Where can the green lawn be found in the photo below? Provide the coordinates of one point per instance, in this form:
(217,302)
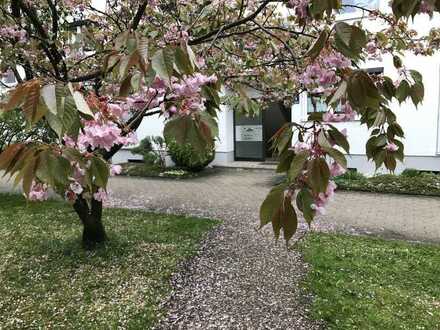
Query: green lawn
(366,283)
(49,281)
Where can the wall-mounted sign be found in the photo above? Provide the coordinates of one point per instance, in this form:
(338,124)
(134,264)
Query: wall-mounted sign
(249,133)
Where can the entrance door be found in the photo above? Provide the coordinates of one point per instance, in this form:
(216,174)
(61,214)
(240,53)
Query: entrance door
(274,118)
(248,137)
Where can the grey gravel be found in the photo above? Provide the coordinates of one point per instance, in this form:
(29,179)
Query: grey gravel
(241,278)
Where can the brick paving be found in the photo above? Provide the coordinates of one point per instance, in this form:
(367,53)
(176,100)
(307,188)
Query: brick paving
(396,216)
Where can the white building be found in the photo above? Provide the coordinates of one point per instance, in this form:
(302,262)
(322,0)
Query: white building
(247,138)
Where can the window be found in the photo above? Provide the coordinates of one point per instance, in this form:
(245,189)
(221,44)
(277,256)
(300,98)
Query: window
(321,106)
(9,78)
(369,4)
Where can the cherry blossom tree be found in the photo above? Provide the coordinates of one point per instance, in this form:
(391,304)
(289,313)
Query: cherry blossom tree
(93,74)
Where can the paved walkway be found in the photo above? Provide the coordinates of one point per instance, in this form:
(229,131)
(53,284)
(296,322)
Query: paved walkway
(395,216)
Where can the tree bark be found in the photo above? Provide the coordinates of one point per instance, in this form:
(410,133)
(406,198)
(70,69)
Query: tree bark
(91,218)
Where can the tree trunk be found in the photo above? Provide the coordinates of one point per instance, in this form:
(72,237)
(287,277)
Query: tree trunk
(91,218)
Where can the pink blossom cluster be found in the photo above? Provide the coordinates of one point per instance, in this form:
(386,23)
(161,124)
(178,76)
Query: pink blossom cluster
(373,51)
(100,134)
(101,195)
(391,147)
(320,76)
(38,192)
(175,35)
(323,199)
(188,90)
(300,7)
(152,96)
(346,114)
(301,146)
(13,32)
(76,186)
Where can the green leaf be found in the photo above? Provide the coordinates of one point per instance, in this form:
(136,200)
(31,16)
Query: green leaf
(337,156)
(318,175)
(54,170)
(297,165)
(340,92)
(350,39)
(48,93)
(80,102)
(362,92)
(317,46)
(285,161)
(304,201)
(339,138)
(417,93)
(289,220)
(403,91)
(272,204)
(100,171)
(183,62)
(163,63)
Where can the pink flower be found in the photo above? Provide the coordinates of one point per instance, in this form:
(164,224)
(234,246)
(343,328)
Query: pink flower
(100,195)
(117,111)
(392,147)
(319,210)
(323,198)
(301,146)
(38,192)
(115,169)
(336,169)
(69,142)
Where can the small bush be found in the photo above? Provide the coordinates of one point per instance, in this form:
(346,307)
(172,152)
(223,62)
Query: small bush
(152,151)
(420,184)
(411,172)
(13,130)
(352,175)
(184,156)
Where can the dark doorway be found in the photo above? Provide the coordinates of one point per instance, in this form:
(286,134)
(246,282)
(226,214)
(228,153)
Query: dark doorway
(248,137)
(274,117)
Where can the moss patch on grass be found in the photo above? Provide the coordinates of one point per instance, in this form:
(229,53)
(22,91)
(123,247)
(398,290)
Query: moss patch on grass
(367,283)
(49,281)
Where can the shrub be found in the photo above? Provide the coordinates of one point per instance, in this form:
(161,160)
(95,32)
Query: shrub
(184,156)
(13,130)
(352,175)
(152,151)
(421,184)
(411,172)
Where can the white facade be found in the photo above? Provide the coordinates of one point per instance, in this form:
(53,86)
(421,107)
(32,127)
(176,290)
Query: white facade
(421,125)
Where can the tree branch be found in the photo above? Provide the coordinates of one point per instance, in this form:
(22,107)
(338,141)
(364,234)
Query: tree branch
(239,22)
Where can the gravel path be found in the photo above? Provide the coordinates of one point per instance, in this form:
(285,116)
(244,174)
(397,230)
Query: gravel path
(241,279)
